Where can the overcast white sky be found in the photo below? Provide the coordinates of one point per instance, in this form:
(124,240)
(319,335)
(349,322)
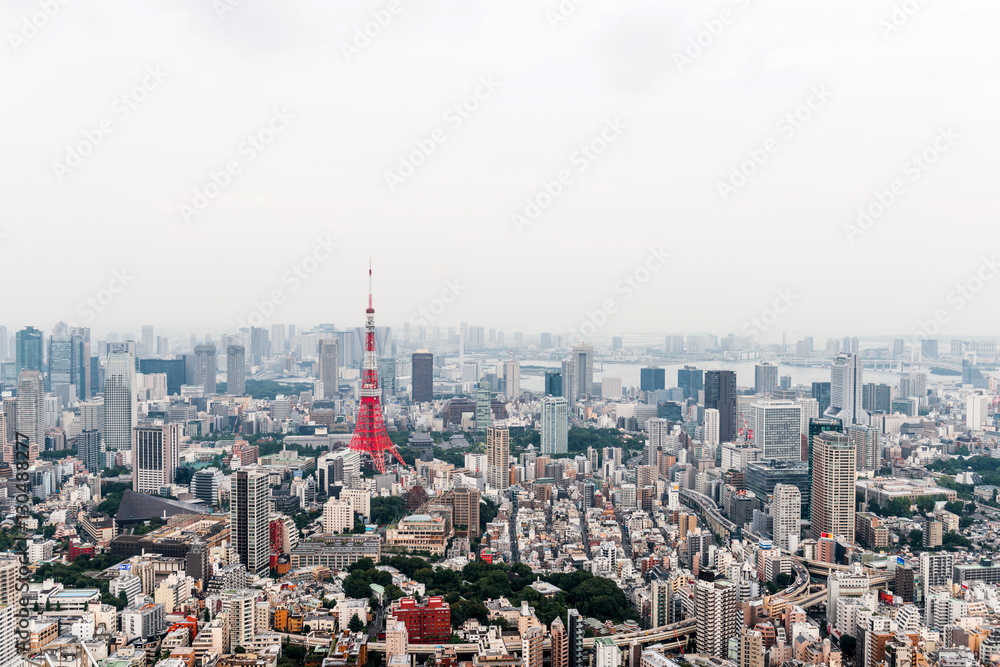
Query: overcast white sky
(655,186)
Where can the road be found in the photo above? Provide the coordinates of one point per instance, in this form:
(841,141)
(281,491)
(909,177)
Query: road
(515,556)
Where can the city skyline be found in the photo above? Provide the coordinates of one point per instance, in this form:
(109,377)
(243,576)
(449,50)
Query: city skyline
(726,394)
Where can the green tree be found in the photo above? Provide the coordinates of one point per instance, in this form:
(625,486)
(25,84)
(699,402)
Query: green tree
(356,624)
(848,645)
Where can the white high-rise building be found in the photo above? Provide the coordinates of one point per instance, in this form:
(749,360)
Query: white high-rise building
(512,379)
(976,410)
(143,619)
(498,457)
(338,516)
(658,432)
(476,463)
(607,653)
(8,635)
(810,410)
(120,406)
(777,429)
(846,384)
(241,606)
(711,434)
(611,388)
(277,338)
(935,570)
(555,425)
(155,455)
(250,518)
(627,498)
(673,496)
(786,509)
(842,584)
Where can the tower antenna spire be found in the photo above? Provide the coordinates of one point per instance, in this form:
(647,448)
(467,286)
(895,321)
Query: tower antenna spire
(369,431)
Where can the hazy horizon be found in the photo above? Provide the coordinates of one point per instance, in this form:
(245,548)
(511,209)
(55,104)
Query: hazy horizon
(687,164)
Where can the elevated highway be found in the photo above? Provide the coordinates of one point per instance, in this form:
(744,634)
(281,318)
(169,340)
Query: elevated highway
(708,511)
(672,636)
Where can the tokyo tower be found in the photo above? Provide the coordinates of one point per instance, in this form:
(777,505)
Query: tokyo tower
(369,432)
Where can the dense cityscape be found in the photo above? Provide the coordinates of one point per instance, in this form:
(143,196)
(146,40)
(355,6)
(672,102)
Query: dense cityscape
(443,496)
(499,334)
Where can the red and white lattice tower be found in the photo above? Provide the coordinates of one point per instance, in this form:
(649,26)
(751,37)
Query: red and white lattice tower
(369,432)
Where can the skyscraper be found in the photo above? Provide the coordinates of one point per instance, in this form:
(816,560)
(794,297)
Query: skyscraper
(765,378)
(250,518)
(817,426)
(90,451)
(691,380)
(205,367)
(329,366)
(846,382)
(553,383)
(786,510)
(31,410)
(260,347)
(583,356)
(821,392)
(148,340)
(422,373)
(498,457)
(69,363)
(716,620)
(155,455)
(867,446)
(28,349)
(236,371)
(484,408)
(278,338)
(575,633)
(555,425)
(512,379)
(569,382)
(387,376)
(720,394)
(711,431)
(653,378)
(833,493)
(976,411)
(120,406)
(777,429)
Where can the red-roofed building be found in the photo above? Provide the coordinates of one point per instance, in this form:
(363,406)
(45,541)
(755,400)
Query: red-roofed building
(427,623)
(77,549)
